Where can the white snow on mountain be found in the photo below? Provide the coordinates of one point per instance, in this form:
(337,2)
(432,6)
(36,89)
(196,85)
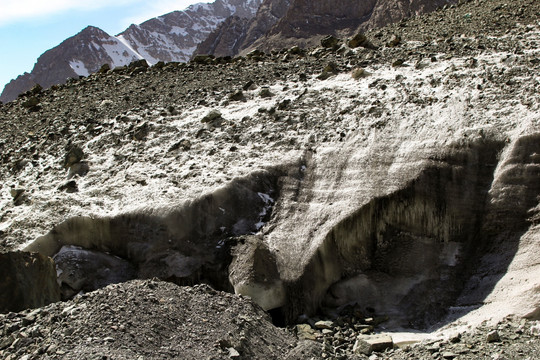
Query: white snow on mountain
(175,36)
(172,37)
(79,68)
(128,45)
(120,54)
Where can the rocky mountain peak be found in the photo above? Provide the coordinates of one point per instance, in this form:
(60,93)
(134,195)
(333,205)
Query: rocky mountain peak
(170,37)
(92,30)
(234,35)
(284,23)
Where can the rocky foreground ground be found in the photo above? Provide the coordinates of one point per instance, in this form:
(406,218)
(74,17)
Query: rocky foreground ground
(157,320)
(137,137)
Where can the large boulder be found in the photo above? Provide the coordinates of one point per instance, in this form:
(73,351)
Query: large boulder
(87,270)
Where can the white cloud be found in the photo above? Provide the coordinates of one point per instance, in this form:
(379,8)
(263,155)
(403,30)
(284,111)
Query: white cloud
(12,11)
(16,10)
(155,8)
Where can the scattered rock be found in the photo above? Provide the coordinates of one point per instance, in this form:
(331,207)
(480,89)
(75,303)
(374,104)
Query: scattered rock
(358,73)
(203,59)
(398,62)
(142,63)
(250,85)
(159,65)
(19,196)
(449,355)
(172,110)
(31,104)
(69,187)
(141,131)
(329,70)
(212,116)
(238,95)
(16,193)
(329,42)
(36,89)
(255,55)
(296,50)
(6,341)
(366,344)
(81,169)
(265,92)
(183,144)
(324,324)
(106,103)
(305,332)
(73,156)
(358,40)
(104,68)
(535,329)
(394,41)
(233,353)
(493,336)
(282,105)
(305,349)
(455,339)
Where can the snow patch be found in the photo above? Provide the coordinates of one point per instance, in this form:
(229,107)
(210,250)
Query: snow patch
(268,203)
(79,68)
(120,54)
(176,30)
(124,42)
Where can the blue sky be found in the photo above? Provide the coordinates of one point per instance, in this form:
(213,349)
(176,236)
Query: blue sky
(28,28)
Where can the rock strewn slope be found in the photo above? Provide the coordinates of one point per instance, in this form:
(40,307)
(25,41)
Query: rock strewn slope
(176,322)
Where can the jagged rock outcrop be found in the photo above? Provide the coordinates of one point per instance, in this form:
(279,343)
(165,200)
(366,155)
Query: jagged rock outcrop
(174,37)
(226,40)
(306,21)
(233,36)
(171,37)
(28,281)
(285,23)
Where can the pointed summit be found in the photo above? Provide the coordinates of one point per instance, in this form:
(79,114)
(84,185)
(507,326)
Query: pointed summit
(170,37)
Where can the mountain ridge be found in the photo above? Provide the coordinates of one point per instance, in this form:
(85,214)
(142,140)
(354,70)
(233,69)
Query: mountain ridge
(285,23)
(169,37)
